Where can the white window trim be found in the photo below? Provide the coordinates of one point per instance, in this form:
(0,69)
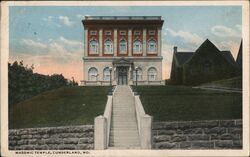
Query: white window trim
(126,45)
(151,32)
(148,49)
(140,47)
(139,75)
(92,77)
(150,73)
(106,74)
(108,33)
(93,32)
(137,32)
(111,45)
(123,32)
(96,49)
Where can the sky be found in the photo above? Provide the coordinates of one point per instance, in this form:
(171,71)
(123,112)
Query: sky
(51,37)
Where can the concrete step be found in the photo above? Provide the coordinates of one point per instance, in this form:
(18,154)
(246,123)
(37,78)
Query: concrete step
(123,129)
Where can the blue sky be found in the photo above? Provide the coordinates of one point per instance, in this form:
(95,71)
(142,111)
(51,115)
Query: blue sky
(51,38)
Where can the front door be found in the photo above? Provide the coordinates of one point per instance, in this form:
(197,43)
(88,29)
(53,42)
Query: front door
(122,76)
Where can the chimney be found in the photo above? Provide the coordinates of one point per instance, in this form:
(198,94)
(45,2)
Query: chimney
(175,49)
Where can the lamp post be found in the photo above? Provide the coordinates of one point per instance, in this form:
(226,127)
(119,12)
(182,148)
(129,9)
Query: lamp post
(110,79)
(136,71)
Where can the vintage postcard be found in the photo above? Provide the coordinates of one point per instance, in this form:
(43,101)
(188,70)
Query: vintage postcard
(139,78)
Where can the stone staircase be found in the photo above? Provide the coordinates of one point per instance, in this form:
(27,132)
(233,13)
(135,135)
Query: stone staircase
(123,130)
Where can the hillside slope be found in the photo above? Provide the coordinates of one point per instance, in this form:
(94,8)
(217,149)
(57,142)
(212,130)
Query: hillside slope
(59,107)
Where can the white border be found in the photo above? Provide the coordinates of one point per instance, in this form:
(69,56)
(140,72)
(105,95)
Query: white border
(149,153)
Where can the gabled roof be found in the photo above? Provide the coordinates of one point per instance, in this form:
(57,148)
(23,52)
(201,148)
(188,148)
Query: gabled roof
(239,56)
(229,57)
(122,61)
(183,57)
(207,45)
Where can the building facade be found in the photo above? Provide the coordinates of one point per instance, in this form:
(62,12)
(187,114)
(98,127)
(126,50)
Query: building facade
(206,64)
(122,50)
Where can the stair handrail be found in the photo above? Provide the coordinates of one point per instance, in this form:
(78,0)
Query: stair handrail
(108,112)
(144,123)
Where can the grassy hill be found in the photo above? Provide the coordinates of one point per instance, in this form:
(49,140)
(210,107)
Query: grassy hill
(235,82)
(166,103)
(63,106)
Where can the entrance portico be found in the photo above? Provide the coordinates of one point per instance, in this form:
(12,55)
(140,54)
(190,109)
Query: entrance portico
(123,71)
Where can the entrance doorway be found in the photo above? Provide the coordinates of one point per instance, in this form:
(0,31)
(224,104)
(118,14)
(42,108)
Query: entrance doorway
(122,75)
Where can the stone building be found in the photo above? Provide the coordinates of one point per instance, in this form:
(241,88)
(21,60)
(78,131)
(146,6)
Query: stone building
(206,64)
(117,48)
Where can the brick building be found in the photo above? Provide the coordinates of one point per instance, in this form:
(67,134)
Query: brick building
(117,48)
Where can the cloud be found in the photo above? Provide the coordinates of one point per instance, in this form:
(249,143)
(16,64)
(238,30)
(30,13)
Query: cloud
(66,21)
(239,27)
(62,55)
(33,44)
(50,21)
(230,45)
(70,42)
(223,31)
(80,16)
(190,38)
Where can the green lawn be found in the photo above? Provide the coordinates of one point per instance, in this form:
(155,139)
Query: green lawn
(235,82)
(63,106)
(167,103)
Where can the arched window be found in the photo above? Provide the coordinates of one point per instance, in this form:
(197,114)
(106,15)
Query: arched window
(152,74)
(93,46)
(137,46)
(123,46)
(93,74)
(106,74)
(152,47)
(108,46)
(139,75)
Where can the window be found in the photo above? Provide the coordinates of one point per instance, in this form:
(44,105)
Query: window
(123,47)
(152,73)
(108,46)
(122,32)
(137,46)
(139,75)
(207,66)
(93,32)
(137,32)
(151,32)
(93,46)
(107,32)
(152,48)
(106,74)
(92,74)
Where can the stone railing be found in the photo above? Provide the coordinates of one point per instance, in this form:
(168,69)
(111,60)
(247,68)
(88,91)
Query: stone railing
(212,134)
(102,125)
(144,123)
(52,138)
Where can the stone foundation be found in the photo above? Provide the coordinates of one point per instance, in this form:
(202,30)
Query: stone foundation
(52,138)
(212,134)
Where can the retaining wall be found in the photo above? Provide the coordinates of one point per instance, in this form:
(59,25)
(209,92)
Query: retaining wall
(212,134)
(52,138)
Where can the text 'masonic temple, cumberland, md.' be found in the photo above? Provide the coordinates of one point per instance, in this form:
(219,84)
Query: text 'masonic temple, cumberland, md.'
(117,48)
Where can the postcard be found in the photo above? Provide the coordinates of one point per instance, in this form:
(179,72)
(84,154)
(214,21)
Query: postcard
(125,78)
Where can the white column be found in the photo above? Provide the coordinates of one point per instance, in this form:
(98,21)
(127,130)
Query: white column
(86,42)
(100,42)
(159,42)
(100,139)
(129,42)
(146,132)
(115,42)
(144,42)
